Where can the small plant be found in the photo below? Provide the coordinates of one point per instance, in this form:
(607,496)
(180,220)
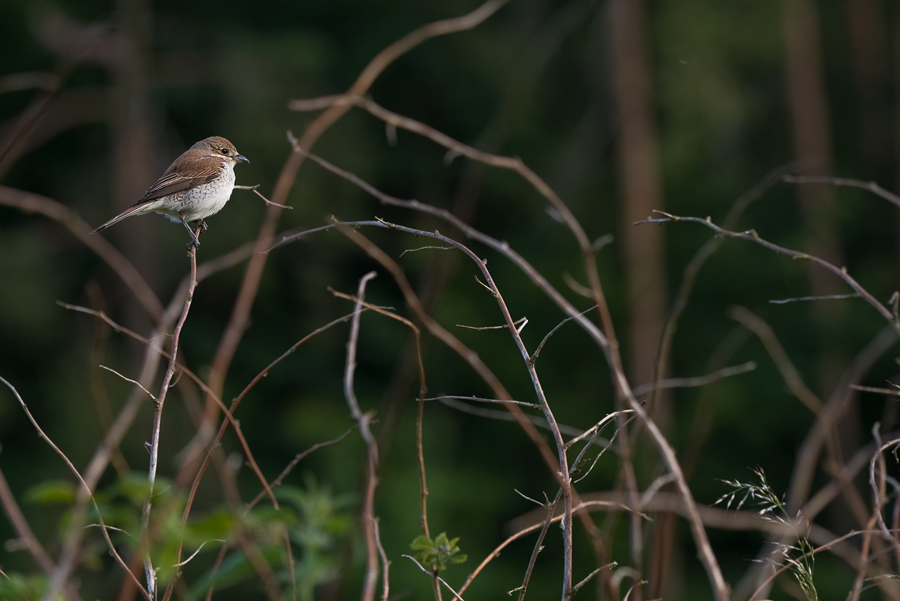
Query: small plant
(437,554)
(800,557)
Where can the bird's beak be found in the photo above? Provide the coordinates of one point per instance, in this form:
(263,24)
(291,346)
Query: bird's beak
(241,159)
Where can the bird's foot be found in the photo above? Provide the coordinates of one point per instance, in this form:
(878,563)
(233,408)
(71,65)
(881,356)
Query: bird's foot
(195,241)
(202,225)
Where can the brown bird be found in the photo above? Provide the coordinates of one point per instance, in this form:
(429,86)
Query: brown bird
(195,186)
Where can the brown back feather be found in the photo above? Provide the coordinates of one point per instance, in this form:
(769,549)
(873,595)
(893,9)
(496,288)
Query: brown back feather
(183,175)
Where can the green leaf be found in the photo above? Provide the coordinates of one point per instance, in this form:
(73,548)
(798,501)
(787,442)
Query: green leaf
(51,491)
(437,554)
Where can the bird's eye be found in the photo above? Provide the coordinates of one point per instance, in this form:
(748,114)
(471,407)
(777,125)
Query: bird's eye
(224,151)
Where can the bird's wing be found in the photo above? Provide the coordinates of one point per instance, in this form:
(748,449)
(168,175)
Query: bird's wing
(176,179)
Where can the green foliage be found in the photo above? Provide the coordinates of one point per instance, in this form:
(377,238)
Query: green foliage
(438,553)
(314,520)
(18,587)
(800,557)
(322,523)
(51,492)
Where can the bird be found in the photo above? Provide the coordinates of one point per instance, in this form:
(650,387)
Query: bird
(196,185)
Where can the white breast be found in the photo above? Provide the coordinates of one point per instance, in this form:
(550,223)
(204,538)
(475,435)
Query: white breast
(208,199)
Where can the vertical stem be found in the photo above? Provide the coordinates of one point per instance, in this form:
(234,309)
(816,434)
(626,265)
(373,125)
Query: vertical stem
(364,419)
(150,573)
(420,417)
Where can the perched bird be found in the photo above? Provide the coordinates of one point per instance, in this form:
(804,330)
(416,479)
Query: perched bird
(195,186)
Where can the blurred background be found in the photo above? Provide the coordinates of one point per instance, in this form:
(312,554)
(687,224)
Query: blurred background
(622,106)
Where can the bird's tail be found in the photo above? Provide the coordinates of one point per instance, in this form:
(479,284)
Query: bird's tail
(138,209)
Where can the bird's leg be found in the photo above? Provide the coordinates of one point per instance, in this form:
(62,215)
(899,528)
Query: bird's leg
(194,240)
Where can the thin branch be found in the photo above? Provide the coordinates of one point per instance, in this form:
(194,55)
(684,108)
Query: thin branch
(385,565)
(725,372)
(520,323)
(438,578)
(885,391)
(412,250)
(297,459)
(364,419)
(194,554)
(597,428)
(229,419)
(591,575)
(753,236)
(538,547)
(153,347)
(112,548)
(878,489)
(606,341)
(482,400)
(562,474)
(268,202)
(815,551)
(506,416)
(159,402)
(540,347)
(26,535)
(584,505)
(420,400)
(135,382)
(237,324)
(28,202)
(840,181)
(798,299)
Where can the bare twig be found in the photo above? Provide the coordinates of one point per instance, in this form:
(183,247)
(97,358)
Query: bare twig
(385,565)
(437,578)
(841,181)
(592,574)
(784,301)
(584,505)
(506,416)
(181,368)
(268,202)
(35,203)
(519,323)
(815,551)
(725,372)
(537,351)
(26,535)
(753,236)
(784,364)
(229,418)
(159,402)
(420,400)
(878,487)
(135,382)
(864,553)
(479,400)
(606,341)
(297,459)
(562,473)
(237,324)
(112,548)
(885,391)
(538,547)
(364,419)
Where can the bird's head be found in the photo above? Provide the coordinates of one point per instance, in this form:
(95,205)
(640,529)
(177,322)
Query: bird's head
(218,146)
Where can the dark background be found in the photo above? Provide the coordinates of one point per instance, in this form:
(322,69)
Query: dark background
(534,81)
